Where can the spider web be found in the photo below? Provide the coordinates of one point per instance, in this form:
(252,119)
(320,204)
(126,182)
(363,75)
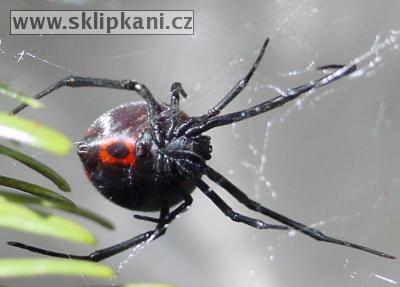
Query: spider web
(329,159)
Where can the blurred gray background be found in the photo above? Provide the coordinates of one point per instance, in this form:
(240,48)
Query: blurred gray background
(331,159)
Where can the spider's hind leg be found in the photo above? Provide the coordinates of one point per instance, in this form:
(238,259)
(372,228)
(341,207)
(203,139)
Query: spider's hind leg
(255,206)
(165,219)
(146,218)
(233,215)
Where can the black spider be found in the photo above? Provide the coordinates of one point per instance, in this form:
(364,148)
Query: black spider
(148,156)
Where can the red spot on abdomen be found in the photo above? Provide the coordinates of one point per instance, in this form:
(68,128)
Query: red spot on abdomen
(118,151)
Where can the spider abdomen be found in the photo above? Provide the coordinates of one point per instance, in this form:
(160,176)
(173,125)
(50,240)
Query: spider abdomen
(121,167)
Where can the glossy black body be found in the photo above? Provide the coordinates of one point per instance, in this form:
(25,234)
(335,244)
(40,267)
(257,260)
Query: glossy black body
(138,187)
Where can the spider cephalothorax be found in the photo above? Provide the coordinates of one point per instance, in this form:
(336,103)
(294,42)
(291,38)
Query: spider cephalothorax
(148,156)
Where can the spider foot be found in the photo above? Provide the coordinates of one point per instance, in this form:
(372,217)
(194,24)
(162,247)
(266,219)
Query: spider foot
(331,67)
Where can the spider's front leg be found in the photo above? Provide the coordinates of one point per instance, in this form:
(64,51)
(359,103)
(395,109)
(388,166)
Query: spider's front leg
(79,82)
(153,107)
(175,91)
(289,95)
(232,94)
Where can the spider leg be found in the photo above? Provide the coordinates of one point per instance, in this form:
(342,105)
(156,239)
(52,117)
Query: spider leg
(77,82)
(255,206)
(153,107)
(101,254)
(332,67)
(158,220)
(175,91)
(95,256)
(146,218)
(271,104)
(236,90)
(228,211)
